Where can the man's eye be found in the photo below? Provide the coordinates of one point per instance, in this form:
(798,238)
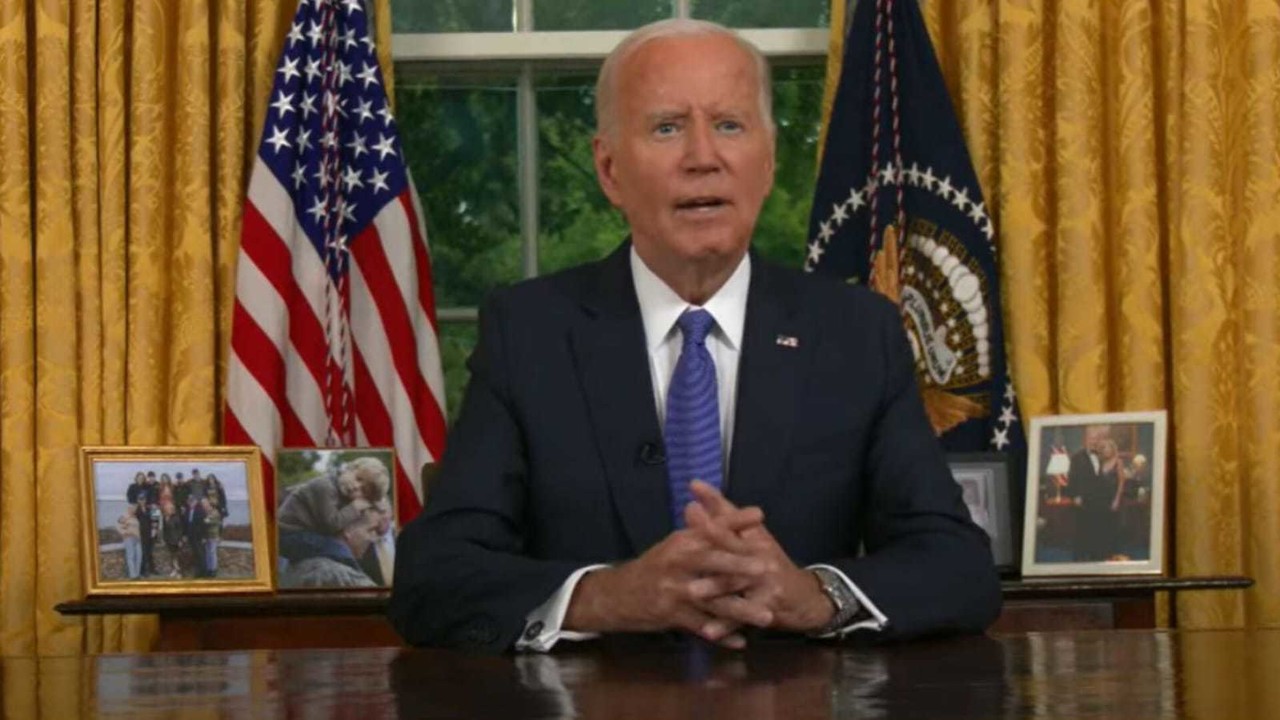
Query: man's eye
(665,129)
(729,126)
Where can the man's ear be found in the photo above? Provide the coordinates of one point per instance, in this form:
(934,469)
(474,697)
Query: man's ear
(603,155)
(773,165)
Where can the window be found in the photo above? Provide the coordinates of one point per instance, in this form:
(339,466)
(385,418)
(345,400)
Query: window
(497,119)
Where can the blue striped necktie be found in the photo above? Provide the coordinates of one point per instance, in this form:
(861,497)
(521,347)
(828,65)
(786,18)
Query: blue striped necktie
(692,431)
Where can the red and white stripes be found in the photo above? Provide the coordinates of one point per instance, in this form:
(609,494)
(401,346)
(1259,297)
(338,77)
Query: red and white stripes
(276,379)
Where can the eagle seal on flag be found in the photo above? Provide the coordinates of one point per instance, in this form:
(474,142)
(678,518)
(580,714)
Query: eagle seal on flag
(898,207)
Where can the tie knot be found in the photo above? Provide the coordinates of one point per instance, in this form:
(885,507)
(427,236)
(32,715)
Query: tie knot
(695,324)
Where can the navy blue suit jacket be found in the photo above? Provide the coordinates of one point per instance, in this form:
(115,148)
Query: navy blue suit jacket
(552,463)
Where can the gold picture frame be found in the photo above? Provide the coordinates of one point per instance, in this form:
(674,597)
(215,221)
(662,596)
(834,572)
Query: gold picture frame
(333,535)
(170,520)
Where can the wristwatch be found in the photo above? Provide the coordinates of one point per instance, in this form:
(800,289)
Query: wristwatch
(838,592)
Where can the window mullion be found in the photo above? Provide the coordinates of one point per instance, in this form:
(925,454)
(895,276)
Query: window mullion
(524,15)
(458,315)
(527,148)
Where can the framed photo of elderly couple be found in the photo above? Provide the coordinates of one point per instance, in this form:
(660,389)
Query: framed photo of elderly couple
(335,518)
(174,520)
(1095,501)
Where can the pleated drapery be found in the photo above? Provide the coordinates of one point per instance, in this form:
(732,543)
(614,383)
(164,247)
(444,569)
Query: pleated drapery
(1130,153)
(127,129)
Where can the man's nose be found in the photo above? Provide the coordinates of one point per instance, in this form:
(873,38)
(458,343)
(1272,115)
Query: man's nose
(701,153)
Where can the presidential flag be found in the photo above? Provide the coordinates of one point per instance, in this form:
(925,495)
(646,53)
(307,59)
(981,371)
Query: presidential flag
(898,207)
(334,340)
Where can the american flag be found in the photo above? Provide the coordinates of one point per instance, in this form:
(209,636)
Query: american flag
(334,338)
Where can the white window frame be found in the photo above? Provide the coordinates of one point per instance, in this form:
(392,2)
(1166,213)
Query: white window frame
(583,45)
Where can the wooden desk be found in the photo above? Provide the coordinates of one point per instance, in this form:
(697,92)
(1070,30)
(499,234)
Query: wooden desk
(1126,674)
(351,619)
(245,622)
(357,619)
(1096,603)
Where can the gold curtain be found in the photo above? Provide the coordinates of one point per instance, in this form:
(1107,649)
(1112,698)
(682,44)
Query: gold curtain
(1130,150)
(127,129)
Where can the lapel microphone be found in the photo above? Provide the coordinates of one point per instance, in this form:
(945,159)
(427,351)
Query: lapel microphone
(651,453)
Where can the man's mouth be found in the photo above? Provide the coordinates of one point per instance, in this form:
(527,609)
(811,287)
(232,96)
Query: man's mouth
(707,203)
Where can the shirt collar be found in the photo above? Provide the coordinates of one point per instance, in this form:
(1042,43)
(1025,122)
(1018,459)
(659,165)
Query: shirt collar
(660,306)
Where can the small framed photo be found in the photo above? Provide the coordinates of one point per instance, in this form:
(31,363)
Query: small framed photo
(984,481)
(335,518)
(1095,495)
(174,520)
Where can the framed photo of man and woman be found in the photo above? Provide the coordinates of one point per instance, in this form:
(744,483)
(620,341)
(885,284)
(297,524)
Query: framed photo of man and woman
(160,520)
(1095,495)
(335,518)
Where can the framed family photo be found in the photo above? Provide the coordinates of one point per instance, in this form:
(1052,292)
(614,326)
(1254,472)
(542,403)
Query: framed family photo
(986,486)
(335,518)
(174,520)
(1095,495)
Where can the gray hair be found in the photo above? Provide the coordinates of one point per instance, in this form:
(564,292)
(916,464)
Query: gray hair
(674,27)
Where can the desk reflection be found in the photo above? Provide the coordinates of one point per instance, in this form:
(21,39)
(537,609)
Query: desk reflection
(638,678)
(1137,674)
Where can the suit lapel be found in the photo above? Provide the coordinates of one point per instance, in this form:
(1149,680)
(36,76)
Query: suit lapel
(613,368)
(777,348)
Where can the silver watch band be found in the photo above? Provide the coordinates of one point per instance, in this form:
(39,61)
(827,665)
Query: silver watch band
(846,604)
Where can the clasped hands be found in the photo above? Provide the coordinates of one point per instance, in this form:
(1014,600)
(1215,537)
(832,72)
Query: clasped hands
(723,571)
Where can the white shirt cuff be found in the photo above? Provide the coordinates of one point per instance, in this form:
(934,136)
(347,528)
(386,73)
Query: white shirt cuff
(876,622)
(542,626)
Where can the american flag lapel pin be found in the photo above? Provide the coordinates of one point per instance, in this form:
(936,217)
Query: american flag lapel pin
(787,341)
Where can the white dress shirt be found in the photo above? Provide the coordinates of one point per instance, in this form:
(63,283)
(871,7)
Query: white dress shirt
(660,307)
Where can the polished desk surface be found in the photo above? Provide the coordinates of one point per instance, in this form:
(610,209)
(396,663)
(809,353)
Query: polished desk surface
(1115,674)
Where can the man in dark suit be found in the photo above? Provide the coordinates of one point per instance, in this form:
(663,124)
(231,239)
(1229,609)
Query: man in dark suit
(1094,491)
(193,521)
(568,503)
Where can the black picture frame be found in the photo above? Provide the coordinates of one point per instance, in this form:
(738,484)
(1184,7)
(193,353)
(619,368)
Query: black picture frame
(986,479)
